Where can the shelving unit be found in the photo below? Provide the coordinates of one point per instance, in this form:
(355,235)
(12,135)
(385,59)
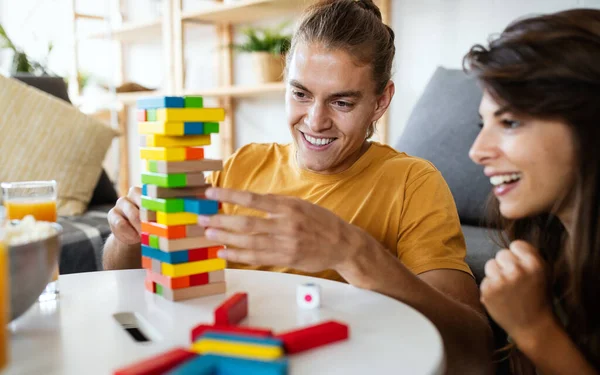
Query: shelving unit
(170,30)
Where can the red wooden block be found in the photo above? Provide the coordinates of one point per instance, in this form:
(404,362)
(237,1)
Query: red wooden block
(199,330)
(233,310)
(194,153)
(198,254)
(145,239)
(314,336)
(141,115)
(199,279)
(159,364)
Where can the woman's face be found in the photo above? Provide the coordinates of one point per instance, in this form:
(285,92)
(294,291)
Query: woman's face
(330,104)
(530,162)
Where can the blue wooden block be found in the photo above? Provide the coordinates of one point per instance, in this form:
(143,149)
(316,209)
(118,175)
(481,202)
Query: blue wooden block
(193,128)
(237,366)
(201,206)
(144,189)
(174,257)
(160,102)
(225,336)
(201,365)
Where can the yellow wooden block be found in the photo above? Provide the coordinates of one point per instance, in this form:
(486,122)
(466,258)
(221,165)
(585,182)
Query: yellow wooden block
(190,114)
(246,350)
(161,127)
(176,218)
(154,140)
(192,268)
(161,153)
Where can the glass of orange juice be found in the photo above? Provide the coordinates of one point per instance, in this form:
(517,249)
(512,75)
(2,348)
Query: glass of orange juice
(38,199)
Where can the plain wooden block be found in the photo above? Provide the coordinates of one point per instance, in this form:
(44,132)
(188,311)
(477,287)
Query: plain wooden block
(187,243)
(194,291)
(156,266)
(147,216)
(187,269)
(190,114)
(156,140)
(216,276)
(154,191)
(159,166)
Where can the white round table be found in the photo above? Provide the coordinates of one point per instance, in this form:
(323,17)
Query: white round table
(78,334)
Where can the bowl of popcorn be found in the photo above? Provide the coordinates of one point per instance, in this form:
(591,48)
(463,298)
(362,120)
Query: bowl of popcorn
(34,252)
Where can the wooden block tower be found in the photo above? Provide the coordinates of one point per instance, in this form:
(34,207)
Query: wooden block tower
(180,262)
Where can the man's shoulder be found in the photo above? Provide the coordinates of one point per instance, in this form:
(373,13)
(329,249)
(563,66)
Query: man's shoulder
(253,153)
(397,163)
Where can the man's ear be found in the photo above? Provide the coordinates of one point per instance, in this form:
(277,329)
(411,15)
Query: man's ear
(384,100)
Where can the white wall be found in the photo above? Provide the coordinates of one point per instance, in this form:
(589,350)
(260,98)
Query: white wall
(429,33)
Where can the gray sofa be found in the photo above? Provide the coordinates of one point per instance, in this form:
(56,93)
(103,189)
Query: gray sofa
(441,129)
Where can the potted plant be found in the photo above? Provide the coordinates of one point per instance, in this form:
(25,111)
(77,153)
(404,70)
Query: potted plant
(268,48)
(23,64)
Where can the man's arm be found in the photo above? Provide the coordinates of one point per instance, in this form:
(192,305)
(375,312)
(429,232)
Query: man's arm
(449,298)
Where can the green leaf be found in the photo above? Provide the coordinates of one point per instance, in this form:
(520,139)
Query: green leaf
(271,40)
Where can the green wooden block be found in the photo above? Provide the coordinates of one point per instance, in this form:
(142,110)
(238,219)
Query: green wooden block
(211,127)
(163,205)
(193,102)
(153,241)
(152,166)
(164,180)
(159,289)
(151,115)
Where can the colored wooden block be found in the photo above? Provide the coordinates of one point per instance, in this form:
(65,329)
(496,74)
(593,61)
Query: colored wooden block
(150,286)
(199,279)
(160,102)
(169,282)
(141,115)
(213,251)
(198,254)
(201,365)
(173,180)
(154,191)
(242,339)
(171,128)
(146,263)
(190,114)
(233,310)
(237,349)
(159,289)
(156,266)
(193,102)
(194,291)
(156,140)
(147,216)
(145,238)
(153,241)
(173,232)
(201,206)
(187,269)
(187,243)
(158,166)
(299,340)
(201,329)
(246,366)
(151,115)
(216,276)
(158,364)
(211,127)
(193,128)
(172,153)
(176,257)
(163,205)
(178,218)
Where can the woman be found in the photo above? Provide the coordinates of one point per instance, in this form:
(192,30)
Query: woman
(539,146)
(338,205)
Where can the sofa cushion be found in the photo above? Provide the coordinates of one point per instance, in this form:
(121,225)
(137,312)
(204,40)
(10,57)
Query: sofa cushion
(44,138)
(441,129)
(480,248)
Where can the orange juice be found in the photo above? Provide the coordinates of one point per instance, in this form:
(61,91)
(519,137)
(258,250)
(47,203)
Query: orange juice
(4,305)
(41,210)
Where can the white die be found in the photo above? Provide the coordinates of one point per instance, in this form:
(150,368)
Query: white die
(308,296)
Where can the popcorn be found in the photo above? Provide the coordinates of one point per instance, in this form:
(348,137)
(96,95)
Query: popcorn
(25,231)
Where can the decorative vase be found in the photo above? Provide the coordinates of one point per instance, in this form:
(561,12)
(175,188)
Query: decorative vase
(268,67)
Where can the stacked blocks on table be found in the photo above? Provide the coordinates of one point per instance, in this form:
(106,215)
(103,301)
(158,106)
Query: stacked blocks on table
(181,262)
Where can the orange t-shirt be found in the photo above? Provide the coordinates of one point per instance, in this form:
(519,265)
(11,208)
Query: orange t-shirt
(402,201)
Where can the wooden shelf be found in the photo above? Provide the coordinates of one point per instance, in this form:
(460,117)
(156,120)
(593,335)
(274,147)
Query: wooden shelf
(245,11)
(130,98)
(130,32)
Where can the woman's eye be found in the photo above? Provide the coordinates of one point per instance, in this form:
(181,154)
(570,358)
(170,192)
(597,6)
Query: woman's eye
(480,124)
(511,124)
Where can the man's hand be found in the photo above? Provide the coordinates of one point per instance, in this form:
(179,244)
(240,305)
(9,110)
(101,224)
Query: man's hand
(295,233)
(124,218)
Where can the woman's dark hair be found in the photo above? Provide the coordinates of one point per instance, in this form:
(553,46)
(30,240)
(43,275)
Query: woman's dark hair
(548,67)
(354,26)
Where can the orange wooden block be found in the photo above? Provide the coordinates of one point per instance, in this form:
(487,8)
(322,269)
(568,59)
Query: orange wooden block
(194,153)
(146,263)
(173,232)
(150,285)
(212,251)
(170,282)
